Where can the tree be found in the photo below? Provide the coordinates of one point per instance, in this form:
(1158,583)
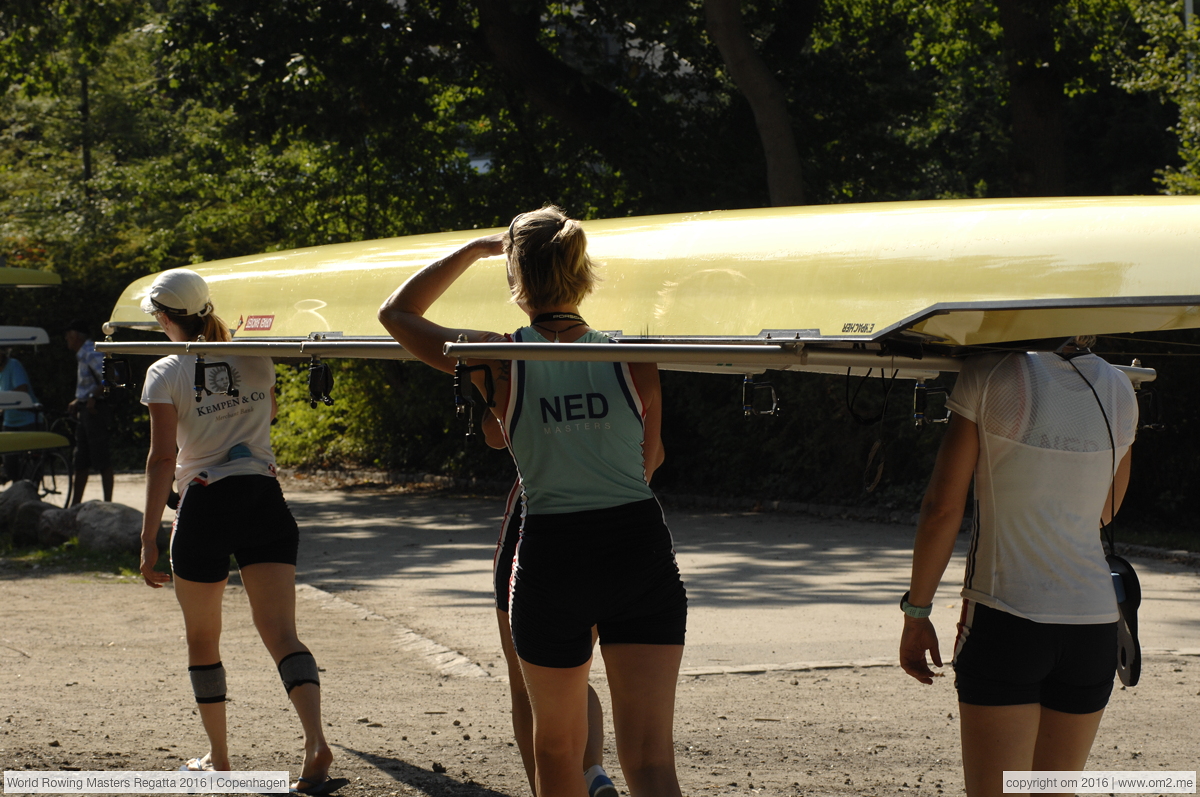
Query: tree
(1036,97)
(1163,66)
(765,95)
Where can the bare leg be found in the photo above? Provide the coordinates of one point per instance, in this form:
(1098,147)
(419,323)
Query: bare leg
(522,714)
(593,752)
(1064,740)
(271,588)
(201,604)
(641,679)
(996,738)
(558,698)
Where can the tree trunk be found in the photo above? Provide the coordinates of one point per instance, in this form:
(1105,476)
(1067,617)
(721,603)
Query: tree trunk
(765,95)
(1038,160)
(85,120)
(587,108)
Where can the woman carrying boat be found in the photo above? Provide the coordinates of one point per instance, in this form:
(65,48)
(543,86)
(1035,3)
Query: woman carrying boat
(599,784)
(230,504)
(1046,437)
(594,549)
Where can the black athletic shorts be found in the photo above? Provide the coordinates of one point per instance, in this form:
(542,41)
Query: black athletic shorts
(1004,660)
(245,516)
(506,547)
(612,568)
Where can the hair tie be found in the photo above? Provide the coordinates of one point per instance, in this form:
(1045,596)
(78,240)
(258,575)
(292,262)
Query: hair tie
(205,310)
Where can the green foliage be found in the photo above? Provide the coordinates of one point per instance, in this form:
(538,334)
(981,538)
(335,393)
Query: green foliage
(390,415)
(1164,66)
(812,451)
(213,130)
(71,557)
(329,435)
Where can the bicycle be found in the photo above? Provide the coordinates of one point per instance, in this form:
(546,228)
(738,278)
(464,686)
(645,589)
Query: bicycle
(45,464)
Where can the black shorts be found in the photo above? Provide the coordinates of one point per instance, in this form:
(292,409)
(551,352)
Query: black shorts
(506,547)
(243,516)
(1004,660)
(611,568)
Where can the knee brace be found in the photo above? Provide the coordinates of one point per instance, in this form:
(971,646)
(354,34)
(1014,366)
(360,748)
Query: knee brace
(208,682)
(298,668)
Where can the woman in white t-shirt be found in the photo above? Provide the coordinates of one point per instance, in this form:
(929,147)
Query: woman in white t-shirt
(1047,439)
(230,504)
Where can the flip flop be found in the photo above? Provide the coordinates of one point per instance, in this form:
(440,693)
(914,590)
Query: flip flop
(318,787)
(200,764)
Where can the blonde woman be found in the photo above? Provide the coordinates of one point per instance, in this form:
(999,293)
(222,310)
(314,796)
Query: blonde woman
(218,450)
(594,549)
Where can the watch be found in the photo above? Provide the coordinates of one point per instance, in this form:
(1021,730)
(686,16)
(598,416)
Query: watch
(914,611)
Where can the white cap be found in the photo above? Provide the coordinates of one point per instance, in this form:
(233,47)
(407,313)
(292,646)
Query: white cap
(178,292)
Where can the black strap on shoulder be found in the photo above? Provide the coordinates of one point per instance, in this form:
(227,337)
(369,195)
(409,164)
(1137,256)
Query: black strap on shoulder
(1106,528)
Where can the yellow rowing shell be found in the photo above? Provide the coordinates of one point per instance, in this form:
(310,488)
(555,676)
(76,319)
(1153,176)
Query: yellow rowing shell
(13,442)
(28,278)
(955,273)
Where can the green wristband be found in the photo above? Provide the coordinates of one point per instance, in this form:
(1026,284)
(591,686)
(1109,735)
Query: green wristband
(918,612)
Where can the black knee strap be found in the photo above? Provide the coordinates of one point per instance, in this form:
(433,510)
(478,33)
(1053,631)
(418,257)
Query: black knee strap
(298,668)
(208,682)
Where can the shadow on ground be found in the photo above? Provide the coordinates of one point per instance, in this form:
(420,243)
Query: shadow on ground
(433,783)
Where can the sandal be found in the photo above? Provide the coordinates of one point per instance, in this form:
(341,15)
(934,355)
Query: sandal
(202,764)
(317,787)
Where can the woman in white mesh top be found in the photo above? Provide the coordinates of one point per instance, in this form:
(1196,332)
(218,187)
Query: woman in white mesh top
(1047,439)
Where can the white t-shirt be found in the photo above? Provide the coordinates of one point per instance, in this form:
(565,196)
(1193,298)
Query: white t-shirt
(1044,470)
(210,429)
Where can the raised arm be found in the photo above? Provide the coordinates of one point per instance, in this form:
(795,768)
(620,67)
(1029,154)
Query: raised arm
(403,314)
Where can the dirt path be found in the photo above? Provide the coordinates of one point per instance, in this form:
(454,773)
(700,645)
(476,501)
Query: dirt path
(416,702)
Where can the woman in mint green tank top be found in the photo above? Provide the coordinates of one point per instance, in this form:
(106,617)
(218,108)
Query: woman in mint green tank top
(586,440)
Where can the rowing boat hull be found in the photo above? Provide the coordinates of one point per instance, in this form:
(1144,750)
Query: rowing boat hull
(960,273)
(27,278)
(23,336)
(14,442)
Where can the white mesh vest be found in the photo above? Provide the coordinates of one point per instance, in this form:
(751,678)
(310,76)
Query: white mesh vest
(1044,470)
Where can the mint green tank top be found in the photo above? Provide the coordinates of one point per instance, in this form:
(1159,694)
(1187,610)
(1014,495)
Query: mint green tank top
(576,432)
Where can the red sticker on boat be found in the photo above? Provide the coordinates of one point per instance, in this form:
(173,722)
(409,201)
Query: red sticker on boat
(259,322)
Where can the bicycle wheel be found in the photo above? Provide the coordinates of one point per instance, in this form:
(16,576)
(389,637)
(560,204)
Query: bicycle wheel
(54,486)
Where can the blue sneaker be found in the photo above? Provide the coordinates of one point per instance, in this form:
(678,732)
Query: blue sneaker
(602,786)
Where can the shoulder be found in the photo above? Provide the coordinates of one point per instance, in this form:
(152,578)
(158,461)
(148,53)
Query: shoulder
(978,369)
(260,365)
(985,363)
(165,368)
(966,398)
(1122,386)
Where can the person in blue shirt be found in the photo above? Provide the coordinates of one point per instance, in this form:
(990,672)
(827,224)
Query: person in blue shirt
(594,549)
(92,447)
(13,378)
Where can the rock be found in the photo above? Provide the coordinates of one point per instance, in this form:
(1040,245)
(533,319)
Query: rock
(105,526)
(21,492)
(56,526)
(163,540)
(25,522)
